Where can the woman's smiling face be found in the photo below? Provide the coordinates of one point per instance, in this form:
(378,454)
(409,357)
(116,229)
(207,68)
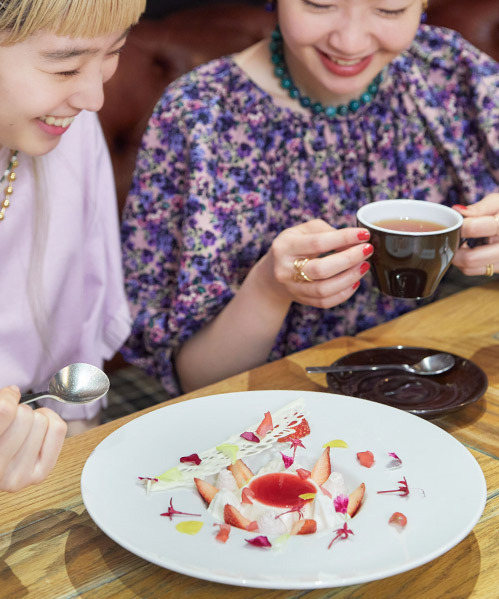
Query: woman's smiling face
(46,81)
(335,48)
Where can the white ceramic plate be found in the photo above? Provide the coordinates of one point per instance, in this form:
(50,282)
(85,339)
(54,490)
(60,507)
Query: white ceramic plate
(453,484)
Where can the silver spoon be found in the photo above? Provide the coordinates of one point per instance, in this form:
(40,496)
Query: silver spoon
(76,383)
(435,364)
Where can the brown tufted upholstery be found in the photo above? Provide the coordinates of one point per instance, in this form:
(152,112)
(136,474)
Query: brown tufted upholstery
(159,51)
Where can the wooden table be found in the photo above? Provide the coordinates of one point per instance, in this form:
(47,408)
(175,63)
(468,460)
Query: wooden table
(50,548)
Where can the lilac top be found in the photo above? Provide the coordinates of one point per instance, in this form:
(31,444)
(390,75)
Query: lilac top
(223,169)
(61,279)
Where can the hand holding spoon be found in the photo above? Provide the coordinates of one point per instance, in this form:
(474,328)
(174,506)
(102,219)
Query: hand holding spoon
(77,383)
(431,365)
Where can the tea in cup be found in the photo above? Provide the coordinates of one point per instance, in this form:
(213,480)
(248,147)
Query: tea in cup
(414,243)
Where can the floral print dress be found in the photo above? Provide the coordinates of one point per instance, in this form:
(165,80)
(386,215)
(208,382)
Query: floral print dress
(223,170)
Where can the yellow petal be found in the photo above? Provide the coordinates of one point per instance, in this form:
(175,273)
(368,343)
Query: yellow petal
(189,527)
(336,443)
(172,475)
(307,496)
(230,451)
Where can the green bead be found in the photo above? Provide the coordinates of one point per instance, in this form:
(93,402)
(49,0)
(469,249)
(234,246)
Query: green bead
(305,101)
(342,110)
(276,59)
(286,83)
(275,45)
(365,98)
(294,93)
(372,89)
(330,111)
(279,72)
(354,106)
(276,34)
(317,108)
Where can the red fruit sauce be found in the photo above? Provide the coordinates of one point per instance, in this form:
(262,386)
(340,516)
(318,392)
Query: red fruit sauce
(280,489)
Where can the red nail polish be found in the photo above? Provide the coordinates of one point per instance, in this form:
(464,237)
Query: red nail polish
(368,249)
(355,285)
(363,235)
(460,207)
(364,267)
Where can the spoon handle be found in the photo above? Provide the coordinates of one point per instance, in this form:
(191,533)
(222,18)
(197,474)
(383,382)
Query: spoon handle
(356,368)
(29,397)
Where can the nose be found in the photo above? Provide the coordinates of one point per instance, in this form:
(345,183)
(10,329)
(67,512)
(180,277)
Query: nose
(90,93)
(350,37)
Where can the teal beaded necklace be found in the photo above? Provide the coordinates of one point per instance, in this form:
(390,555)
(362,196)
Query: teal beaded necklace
(282,73)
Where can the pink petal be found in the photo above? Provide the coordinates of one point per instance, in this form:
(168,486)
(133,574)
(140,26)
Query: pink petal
(288,461)
(260,541)
(194,458)
(250,437)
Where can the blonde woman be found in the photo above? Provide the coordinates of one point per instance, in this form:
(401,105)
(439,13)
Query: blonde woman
(60,272)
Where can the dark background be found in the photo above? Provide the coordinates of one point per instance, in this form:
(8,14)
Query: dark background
(158,8)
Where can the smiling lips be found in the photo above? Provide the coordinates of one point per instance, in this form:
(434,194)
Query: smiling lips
(344,67)
(55,125)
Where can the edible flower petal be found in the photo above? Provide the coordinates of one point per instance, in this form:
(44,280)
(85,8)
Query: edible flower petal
(223,533)
(306,496)
(341,533)
(395,463)
(297,508)
(403,489)
(250,437)
(280,541)
(152,479)
(336,443)
(288,460)
(190,527)
(265,425)
(341,503)
(171,475)
(260,541)
(172,512)
(366,458)
(228,450)
(193,458)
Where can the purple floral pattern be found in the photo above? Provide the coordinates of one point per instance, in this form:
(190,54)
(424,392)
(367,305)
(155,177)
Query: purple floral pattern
(222,170)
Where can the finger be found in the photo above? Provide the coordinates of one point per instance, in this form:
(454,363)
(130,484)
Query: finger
(52,444)
(13,438)
(481,226)
(334,264)
(307,244)
(9,398)
(473,262)
(489,205)
(20,472)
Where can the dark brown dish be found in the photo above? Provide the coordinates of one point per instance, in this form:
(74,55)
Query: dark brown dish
(428,396)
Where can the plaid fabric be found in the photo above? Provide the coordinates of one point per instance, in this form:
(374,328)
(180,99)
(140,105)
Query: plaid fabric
(131,390)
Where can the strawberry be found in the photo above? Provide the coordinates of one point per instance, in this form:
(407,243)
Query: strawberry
(206,490)
(355,499)
(223,533)
(322,468)
(398,518)
(302,429)
(265,425)
(247,495)
(240,472)
(303,474)
(366,458)
(234,517)
(304,527)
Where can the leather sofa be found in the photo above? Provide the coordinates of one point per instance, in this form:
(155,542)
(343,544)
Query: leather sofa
(162,48)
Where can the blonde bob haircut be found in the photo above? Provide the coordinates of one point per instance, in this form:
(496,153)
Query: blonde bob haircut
(73,18)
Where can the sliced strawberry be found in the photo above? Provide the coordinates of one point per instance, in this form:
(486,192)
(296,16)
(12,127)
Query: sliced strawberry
(355,500)
(302,429)
(265,425)
(206,490)
(303,474)
(304,527)
(398,518)
(366,458)
(223,533)
(241,472)
(234,517)
(247,495)
(322,468)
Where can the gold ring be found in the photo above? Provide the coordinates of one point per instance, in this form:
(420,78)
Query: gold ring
(299,275)
(489,270)
(496,218)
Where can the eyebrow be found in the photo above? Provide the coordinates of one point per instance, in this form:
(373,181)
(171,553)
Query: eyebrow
(72,52)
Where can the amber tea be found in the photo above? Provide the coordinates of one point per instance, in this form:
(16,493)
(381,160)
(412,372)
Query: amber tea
(409,225)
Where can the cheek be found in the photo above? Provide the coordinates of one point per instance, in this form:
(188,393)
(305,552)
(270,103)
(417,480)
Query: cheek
(398,39)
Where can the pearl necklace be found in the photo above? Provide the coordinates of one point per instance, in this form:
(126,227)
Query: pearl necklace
(10,176)
(282,73)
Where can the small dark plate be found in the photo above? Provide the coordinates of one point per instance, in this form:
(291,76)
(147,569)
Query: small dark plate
(428,396)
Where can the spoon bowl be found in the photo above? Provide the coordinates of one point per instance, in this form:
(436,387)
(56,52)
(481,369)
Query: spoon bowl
(77,384)
(428,366)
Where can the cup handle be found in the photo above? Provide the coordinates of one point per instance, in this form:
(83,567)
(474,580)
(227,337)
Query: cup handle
(474,242)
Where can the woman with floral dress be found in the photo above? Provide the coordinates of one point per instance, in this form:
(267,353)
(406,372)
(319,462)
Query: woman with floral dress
(239,237)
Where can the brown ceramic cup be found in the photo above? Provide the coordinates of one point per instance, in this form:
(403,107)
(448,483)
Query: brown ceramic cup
(410,263)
